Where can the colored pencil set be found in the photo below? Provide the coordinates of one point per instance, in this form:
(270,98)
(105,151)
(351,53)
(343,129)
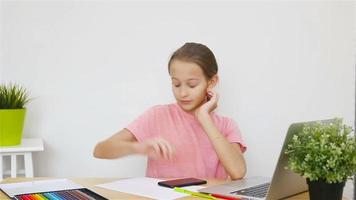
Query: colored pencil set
(76,194)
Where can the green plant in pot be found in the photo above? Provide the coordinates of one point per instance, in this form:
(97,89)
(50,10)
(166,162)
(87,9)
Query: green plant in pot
(13,99)
(325,154)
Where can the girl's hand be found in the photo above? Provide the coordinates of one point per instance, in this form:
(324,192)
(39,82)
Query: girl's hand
(156,148)
(210,104)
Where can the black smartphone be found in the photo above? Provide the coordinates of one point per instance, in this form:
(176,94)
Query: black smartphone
(181,182)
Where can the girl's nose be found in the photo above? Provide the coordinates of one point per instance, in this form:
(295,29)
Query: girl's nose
(183,92)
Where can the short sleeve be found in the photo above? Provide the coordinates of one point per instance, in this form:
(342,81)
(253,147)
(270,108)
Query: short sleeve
(233,134)
(141,127)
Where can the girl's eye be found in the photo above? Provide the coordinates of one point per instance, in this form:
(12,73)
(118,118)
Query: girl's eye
(193,84)
(175,84)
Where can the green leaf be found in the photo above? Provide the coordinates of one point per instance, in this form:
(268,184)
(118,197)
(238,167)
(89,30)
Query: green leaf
(13,96)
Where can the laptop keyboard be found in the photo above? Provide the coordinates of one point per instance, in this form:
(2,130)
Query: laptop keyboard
(259,191)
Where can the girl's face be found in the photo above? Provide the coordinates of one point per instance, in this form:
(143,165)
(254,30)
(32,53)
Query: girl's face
(189,84)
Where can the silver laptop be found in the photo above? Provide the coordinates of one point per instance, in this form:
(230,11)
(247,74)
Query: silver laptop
(284,182)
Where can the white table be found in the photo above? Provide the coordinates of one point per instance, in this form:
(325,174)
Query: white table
(25,149)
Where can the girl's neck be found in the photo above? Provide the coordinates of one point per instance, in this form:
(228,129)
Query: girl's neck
(188,113)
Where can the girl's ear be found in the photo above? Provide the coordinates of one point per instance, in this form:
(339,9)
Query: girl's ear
(212,82)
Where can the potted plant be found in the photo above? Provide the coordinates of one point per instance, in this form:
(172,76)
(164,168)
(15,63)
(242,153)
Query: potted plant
(13,98)
(325,154)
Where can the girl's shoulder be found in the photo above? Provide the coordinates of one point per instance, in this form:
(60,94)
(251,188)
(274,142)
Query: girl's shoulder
(223,121)
(221,117)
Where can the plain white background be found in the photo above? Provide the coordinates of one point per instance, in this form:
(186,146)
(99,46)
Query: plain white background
(92,68)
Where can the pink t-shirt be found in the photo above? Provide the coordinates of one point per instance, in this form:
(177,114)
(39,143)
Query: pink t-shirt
(194,154)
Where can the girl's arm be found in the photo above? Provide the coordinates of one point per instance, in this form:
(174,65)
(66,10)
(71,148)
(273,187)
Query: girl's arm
(121,144)
(124,143)
(229,154)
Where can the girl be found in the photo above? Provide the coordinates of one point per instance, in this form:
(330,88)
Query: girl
(185,139)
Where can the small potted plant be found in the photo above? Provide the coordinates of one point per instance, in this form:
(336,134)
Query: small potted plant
(13,99)
(325,154)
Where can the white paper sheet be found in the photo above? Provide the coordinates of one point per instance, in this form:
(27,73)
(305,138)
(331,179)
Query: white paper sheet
(147,187)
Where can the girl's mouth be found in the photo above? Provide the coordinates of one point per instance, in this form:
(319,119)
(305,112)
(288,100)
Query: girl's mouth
(186,102)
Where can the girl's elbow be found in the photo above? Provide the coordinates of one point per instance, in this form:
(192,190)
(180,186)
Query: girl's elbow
(97,153)
(239,174)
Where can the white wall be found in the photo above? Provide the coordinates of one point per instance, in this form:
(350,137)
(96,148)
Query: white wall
(94,67)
